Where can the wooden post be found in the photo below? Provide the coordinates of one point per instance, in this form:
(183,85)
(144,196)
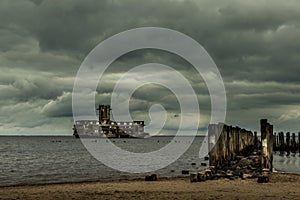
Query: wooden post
(277,141)
(288,143)
(293,143)
(222,146)
(299,142)
(281,140)
(231,152)
(270,146)
(211,144)
(267,144)
(274,142)
(255,141)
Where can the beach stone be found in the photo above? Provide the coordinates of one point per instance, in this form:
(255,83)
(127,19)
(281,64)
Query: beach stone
(233,178)
(193,177)
(250,167)
(152,177)
(239,157)
(245,176)
(253,157)
(229,173)
(201,176)
(255,175)
(208,174)
(244,162)
(237,173)
(221,172)
(263,179)
(219,175)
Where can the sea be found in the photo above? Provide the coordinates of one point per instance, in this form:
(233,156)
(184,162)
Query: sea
(42,160)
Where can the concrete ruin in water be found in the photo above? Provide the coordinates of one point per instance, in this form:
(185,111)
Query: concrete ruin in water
(105,127)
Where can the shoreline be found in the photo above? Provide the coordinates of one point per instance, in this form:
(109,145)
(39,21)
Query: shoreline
(280,185)
(163,178)
(91,181)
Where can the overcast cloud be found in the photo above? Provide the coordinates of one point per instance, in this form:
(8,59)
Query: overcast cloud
(255,44)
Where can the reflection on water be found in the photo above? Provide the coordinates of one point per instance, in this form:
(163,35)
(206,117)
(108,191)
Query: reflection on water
(287,162)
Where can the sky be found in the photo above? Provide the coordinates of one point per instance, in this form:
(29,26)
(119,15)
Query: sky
(255,45)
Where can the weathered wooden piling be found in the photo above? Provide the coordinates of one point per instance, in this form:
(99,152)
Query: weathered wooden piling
(293,143)
(255,141)
(267,145)
(212,147)
(226,142)
(288,143)
(299,142)
(281,142)
(275,142)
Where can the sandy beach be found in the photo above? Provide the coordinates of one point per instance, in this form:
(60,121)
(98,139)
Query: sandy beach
(281,186)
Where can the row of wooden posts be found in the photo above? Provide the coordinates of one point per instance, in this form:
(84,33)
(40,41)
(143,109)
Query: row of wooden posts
(226,142)
(286,142)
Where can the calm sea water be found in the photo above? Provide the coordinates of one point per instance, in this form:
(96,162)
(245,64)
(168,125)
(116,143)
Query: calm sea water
(36,160)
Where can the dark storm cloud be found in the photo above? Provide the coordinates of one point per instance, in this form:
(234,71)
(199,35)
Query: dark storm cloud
(255,45)
(24,87)
(60,107)
(232,31)
(259,16)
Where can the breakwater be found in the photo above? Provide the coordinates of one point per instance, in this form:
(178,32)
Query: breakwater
(286,142)
(226,143)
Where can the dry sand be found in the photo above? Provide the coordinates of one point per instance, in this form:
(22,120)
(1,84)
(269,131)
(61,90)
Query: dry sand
(281,186)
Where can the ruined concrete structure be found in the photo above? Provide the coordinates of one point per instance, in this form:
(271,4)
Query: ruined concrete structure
(104,114)
(105,127)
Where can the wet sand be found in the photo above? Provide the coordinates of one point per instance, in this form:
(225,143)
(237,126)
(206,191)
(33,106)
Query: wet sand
(281,186)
